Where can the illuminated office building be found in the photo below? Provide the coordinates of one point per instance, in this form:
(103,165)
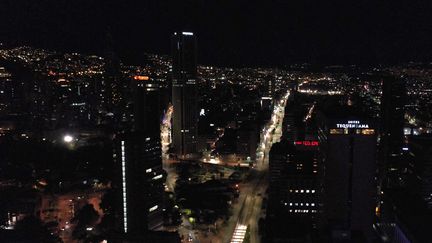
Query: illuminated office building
(184,93)
(138,156)
(294,178)
(293,211)
(140,181)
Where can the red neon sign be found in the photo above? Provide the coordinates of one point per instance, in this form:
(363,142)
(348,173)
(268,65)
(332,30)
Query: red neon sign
(307,143)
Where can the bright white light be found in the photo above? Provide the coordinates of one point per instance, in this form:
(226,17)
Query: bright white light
(214,161)
(67,138)
(124,186)
(153,208)
(187,33)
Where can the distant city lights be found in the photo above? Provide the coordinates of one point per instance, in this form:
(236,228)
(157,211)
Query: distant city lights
(141,78)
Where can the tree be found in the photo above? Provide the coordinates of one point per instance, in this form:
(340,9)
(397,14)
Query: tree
(110,205)
(85,220)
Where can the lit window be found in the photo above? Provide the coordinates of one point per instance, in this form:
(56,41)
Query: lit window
(368,131)
(336,131)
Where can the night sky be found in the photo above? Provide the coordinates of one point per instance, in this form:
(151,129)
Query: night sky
(230,33)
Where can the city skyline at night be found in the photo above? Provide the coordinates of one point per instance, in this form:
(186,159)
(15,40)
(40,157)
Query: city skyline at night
(213,122)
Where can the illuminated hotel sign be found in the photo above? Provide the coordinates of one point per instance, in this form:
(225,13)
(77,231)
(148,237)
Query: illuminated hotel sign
(307,143)
(352,124)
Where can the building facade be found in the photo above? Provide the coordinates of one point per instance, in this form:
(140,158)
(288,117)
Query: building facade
(140,181)
(349,144)
(138,159)
(184,93)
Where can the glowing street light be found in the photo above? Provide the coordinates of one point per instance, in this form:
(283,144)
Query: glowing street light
(67,138)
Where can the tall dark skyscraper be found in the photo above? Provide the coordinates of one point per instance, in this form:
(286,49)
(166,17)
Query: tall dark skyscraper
(349,145)
(392,127)
(184,93)
(138,157)
(109,86)
(147,117)
(393,112)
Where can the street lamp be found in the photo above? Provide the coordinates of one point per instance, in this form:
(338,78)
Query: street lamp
(67,138)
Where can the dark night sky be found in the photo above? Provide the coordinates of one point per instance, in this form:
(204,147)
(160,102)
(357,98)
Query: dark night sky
(230,32)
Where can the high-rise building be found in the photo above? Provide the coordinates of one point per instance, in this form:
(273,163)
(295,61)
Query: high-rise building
(138,157)
(294,180)
(140,181)
(392,114)
(349,144)
(109,86)
(392,130)
(184,93)
(294,189)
